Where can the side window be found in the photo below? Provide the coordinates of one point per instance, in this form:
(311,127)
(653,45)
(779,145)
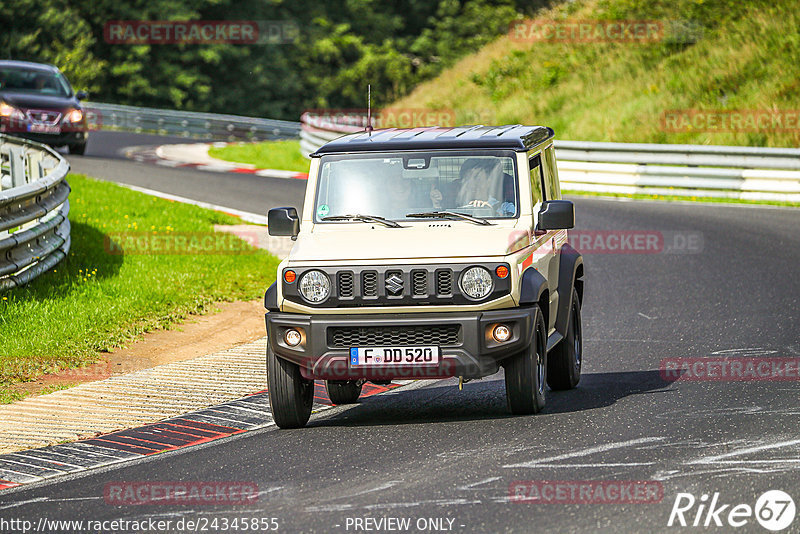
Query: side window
(537,179)
(551,174)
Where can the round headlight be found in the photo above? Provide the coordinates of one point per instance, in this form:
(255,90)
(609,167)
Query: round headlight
(75,115)
(315,286)
(476,282)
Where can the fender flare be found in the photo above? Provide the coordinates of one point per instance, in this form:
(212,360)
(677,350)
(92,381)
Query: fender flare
(271,297)
(570,271)
(532,287)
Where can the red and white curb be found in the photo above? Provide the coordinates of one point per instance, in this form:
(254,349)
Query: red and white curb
(195,156)
(195,428)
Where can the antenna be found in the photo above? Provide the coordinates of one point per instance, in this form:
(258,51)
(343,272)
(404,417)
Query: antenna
(369,109)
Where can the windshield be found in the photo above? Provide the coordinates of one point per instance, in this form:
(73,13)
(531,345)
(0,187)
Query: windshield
(393,186)
(33,81)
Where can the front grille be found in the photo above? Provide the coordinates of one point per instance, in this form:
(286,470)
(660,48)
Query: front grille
(354,286)
(369,283)
(345,281)
(419,282)
(43,116)
(346,337)
(444,282)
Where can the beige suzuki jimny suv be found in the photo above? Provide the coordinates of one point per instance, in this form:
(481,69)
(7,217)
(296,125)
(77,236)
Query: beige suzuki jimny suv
(426,253)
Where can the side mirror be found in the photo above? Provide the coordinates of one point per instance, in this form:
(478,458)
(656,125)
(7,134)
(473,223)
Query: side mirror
(283,222)
(557,215)
(81,95)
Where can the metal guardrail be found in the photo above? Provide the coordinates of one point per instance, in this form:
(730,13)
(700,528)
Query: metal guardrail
(34,228)
(209,126)
(745,173)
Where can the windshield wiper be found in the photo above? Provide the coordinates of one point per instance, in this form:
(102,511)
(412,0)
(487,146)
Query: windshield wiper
(445,214)
(362,218)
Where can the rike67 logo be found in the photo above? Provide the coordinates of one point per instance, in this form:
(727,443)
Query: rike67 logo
(774,510)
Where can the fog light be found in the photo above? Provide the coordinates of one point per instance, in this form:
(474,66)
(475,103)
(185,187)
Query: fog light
(292,337)
(501,333)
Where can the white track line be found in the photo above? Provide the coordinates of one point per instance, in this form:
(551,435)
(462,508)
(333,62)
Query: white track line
(244,215)
(543,462)
(720,458)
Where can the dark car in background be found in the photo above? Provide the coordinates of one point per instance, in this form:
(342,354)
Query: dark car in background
(38,103)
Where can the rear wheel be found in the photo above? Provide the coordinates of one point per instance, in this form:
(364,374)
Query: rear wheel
(343,391)
(564,361)
(290,395)
(526,373)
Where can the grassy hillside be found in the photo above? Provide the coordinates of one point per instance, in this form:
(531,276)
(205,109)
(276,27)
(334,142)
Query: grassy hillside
(732,55)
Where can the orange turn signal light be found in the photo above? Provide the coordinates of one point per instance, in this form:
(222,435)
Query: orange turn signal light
(289,276)
(501,271)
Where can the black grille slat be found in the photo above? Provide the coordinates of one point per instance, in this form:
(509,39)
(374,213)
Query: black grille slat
(441,335)
(346,285)
(369,284)
(419,283)
(444,282)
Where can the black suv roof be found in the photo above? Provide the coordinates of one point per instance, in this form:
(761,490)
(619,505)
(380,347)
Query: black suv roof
(513,137)
(27,65)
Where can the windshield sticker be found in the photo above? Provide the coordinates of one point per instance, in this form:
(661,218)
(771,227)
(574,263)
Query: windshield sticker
(323,210)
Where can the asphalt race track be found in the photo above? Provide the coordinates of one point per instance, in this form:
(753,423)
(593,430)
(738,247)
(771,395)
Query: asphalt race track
(722,282)
(104,159)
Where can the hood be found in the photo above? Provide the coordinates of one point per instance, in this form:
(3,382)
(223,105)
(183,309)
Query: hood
(353,241)
(28,101)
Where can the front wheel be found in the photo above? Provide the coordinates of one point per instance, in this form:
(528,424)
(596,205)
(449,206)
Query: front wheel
(564,362)
(526,372)
(79,149)
(343,391)
(290,395)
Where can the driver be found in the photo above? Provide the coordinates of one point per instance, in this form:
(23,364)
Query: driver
(40,82)
(482,182)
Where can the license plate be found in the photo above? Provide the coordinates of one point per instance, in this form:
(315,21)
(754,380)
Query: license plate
(389,356)
(45,129)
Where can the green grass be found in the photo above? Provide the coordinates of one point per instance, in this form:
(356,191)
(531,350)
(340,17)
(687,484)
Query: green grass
(676,198)
(747,57)
(279,155)
(8,396)
(56,387)
(94,301)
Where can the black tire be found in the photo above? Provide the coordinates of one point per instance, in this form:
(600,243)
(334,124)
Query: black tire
(526,373)
(80,149)
(564,361)
(343,391)
(290,395)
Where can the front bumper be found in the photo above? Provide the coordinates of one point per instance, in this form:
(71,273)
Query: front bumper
(472,353)
(73,136)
